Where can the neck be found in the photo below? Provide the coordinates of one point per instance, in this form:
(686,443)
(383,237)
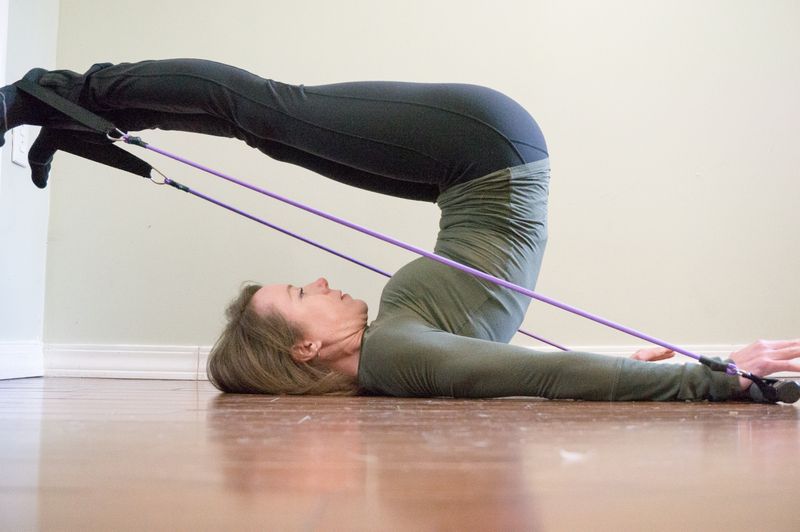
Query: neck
(348,354)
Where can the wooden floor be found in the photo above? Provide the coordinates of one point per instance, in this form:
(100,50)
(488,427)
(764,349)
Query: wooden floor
(95,454)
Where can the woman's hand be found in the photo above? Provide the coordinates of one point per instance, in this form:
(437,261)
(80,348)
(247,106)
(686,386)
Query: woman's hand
(765,357)
(651,354)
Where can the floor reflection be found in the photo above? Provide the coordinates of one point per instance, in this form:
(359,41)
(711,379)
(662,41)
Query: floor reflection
(20,441)
(374,461)
(94,454)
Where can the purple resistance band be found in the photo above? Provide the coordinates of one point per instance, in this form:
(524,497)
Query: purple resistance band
(301,238)
(730,368)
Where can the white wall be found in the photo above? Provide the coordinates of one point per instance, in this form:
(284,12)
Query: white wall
(31,41)
(3,44)
(672,128)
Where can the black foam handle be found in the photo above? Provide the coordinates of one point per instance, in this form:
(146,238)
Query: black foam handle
(772,390)
(787,391)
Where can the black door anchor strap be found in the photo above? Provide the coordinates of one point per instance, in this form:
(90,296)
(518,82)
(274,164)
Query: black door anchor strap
(91,137)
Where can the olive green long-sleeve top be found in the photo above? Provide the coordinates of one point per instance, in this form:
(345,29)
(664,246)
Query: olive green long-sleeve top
(442,332)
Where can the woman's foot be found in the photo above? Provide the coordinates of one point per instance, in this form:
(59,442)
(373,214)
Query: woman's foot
(19,108)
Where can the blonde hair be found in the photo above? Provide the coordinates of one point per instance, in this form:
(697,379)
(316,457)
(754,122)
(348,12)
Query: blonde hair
(254,355)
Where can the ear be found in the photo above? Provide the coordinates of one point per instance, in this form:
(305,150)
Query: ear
(306,350)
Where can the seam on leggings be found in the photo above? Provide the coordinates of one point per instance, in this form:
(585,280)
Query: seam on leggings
(537,148)
(481,122)
(245,97)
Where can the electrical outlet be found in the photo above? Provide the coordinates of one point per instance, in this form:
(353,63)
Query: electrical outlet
(19,146)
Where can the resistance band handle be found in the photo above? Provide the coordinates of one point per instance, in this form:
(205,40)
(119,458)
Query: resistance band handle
(788,391)
(765,390)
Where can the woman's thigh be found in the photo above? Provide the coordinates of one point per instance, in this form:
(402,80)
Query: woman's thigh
(436,134)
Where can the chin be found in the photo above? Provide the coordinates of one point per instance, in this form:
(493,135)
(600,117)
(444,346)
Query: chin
(363,304)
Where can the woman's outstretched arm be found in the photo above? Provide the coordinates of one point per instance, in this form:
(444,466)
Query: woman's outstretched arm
(416,360)
(762,357)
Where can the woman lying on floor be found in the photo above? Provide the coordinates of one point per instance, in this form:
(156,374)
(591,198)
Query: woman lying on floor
(439,331)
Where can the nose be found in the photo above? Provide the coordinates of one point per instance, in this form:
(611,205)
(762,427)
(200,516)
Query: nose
(319,284)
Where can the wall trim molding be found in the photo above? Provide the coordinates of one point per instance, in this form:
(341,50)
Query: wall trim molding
(21,360)
(189,362)
(122,361)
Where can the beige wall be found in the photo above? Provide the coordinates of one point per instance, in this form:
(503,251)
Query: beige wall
(672,127)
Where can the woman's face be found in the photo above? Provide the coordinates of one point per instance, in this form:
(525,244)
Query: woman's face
(323,314)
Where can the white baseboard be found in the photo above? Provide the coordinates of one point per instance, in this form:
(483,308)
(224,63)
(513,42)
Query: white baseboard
(189,362)
(203,353)
(20,360)
(122,361)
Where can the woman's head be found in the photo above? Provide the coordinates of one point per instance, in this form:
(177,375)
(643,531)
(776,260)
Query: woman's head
(327,318)
(280,338)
